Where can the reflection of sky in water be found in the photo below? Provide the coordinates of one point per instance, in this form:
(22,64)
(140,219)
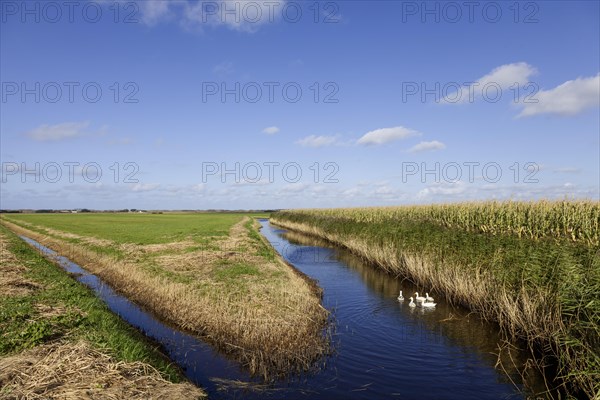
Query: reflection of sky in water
(199,361)
(383,347)
(391,347)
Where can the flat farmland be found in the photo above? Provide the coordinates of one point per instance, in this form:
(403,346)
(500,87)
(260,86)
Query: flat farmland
(210,274)
(138,228)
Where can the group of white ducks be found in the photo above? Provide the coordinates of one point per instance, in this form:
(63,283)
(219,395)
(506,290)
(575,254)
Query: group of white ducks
(425,302)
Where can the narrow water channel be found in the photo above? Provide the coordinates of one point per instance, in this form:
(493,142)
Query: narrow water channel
(200,362)
(383,348)
(386,349)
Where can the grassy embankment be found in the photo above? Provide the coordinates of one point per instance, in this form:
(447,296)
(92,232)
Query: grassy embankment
(58,340)
(210,274)
(532,267)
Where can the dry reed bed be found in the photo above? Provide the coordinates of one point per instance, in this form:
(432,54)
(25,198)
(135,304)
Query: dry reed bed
(269,319)
(66,370)
(542,286)
(12,279)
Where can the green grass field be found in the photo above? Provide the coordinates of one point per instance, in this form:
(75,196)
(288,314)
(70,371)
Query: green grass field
(138,228)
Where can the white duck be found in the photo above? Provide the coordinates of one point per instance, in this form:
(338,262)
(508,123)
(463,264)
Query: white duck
(428,305)
(400,297)
(418,298)
(428,299)
(411,304)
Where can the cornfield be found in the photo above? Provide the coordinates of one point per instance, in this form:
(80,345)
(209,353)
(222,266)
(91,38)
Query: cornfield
(533,267)
(578,221)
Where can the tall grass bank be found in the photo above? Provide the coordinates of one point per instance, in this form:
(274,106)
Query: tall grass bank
(532,267)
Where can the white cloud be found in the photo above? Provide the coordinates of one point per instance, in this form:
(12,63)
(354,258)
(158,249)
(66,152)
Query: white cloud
(569,98)
(182,191)
(145,187)
(271,130)
(351,192)
(223,69)
(152,12)
(250,182)
(199,188)
(427,146)
(463,191)
(294,188)
(317,141)
(240,15)
(384,191)
(66,130)
(444,189)
(386,135)
(503,77)
(387,194)
(381,183)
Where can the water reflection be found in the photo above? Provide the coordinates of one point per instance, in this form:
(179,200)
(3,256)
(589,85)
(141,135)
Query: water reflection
(384,348)
(442,328)
(221,377)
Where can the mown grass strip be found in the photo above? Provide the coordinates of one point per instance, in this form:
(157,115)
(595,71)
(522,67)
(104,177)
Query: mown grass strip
(61,308)
(231,290)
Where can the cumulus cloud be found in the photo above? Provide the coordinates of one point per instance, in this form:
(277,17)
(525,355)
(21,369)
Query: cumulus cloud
(386,135)
(240,15)
(384,191)
(427,146)
(153,12)
(271,130)
(317,141)
(501,77)
(53,133)
(569,98)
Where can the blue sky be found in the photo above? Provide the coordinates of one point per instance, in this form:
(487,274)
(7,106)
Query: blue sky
(283,104)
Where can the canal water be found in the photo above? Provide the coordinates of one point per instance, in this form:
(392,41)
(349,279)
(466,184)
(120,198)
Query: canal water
(386,349)
(382,348)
